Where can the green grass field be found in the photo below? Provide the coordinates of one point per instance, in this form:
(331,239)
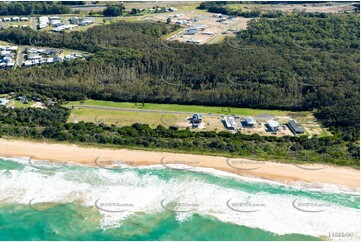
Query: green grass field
(182,108)
(19,104)
(120,118)
(124,118)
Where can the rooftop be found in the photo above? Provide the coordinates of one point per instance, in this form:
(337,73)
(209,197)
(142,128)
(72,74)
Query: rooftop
(273,123)
(295,127)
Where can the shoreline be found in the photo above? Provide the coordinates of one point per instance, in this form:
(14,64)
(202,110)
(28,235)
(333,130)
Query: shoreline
(102,157)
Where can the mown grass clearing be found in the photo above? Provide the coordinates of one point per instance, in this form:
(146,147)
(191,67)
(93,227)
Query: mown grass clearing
(185,108)
(125,118)
(211,116)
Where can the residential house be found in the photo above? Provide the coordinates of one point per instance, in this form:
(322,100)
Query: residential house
(295,127)
(273,125)
(251,122)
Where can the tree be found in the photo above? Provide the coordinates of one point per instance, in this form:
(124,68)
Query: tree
(169,20)
(114,10)
(134,11)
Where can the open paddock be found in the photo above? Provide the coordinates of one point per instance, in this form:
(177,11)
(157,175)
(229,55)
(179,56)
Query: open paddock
(126,113)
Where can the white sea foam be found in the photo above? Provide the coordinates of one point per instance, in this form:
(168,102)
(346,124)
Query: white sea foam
(300,185)
(184,196)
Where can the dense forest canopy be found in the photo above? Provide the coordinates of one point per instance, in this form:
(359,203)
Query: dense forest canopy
(335,33)
(31,8)
(312,64)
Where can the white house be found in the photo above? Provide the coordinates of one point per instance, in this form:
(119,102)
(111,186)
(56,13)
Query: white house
(4,53)
(10,64)
(273,125)
(27,63)
(34,57)
(57,59)
(43,22)
(12,48)
(50,60)
(42,61)
(35,62)
(55,22)
(7,59)
(54,18)
(32,50)
(194,41)
(230,123)
(250,121)
(4,101)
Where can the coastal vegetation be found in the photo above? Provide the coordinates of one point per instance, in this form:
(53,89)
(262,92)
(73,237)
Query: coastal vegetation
(293,63)
(50,124)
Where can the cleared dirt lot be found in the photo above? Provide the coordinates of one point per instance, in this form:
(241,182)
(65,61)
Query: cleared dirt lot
(214,27)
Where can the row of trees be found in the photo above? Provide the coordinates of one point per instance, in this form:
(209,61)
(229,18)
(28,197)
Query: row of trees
(51,124)
(31,8)
(223,8)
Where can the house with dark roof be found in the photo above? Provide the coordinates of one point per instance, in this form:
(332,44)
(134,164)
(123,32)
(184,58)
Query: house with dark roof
(196,120)
(295,127)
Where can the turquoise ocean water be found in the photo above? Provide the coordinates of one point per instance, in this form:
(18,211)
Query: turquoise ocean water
(153,203)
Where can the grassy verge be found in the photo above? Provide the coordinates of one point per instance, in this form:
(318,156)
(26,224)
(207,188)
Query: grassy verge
(182,108)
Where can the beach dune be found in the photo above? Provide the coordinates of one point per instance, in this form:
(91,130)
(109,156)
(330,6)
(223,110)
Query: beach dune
(104,157)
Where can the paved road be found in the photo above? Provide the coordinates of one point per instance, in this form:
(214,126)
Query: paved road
(33,22)
(139,110)
(89,7)
(20,58)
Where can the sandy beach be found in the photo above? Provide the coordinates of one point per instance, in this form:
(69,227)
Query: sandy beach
(103,157)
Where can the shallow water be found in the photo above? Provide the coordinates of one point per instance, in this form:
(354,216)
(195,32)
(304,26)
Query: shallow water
(153,203)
